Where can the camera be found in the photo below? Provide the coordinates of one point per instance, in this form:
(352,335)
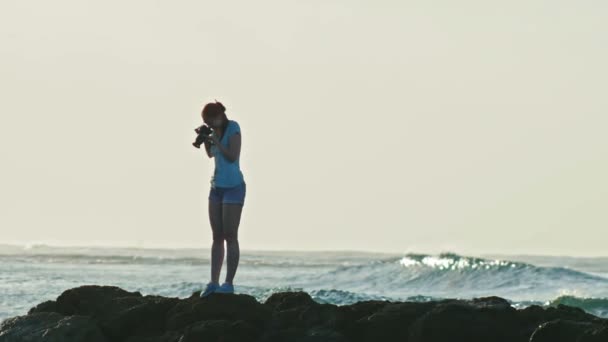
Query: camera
(203,134)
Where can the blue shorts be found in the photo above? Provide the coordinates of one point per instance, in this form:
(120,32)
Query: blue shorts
(234,195)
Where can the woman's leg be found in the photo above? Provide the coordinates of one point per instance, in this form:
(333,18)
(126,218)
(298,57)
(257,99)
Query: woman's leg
(231,214)
(217,248)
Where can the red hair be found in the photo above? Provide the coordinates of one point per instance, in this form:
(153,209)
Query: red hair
(213,110)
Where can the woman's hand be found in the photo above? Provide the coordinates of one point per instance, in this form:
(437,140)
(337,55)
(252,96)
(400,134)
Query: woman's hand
(232,151)
(208,148)
(214,139)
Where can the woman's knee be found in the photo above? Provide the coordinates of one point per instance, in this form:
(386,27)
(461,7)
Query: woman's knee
(230,237)
(218,237)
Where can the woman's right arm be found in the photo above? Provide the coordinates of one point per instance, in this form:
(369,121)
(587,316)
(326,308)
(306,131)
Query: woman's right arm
(208,148)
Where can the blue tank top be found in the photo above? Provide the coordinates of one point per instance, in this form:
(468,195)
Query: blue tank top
(227,174)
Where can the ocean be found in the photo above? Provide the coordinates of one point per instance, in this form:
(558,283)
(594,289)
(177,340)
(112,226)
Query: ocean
(33,274)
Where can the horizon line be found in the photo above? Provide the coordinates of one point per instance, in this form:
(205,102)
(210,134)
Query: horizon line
(126,245)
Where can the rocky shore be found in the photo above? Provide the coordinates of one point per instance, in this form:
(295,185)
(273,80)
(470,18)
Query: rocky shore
(111,314)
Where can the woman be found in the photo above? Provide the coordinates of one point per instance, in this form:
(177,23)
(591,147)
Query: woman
(226,197)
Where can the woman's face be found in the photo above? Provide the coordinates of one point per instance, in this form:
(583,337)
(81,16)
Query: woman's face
(215,123)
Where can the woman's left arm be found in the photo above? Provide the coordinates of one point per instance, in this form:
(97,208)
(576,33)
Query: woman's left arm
(234,147)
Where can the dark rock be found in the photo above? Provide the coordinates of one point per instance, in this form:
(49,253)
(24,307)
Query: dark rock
(118,313)
(363,309)
(322,335)
(195,294)
(145,318)
(50,327)
(539,315)
(533,316)
(48,306)
(296,316)
(218,306)
(560,330)
(93,300)
(492,303)
(168,336)
(220,330)
(391,322)
(304,317)
(477,320)
(289,300)
(300,335)
(595,334)
(110,314)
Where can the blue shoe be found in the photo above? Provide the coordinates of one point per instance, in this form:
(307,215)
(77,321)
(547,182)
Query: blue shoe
(225,288)
(211,287)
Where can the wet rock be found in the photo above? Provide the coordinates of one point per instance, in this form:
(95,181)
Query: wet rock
(289,300)
(474,321)
(296,316)
(595,334)
(48,306)
(304,335)
(110,314)
(50,327)
(167,336)
(560,330)
(118,313)
(218,306)
(220,330)
(390,322)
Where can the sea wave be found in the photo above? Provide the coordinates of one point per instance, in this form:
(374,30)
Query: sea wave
(453,275)
(338,277)
(596,306)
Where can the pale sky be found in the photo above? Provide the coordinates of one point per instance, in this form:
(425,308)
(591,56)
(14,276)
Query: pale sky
(397,126)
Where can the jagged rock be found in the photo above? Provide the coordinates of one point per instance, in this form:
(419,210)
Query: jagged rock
(304,335)
(296,315)
(472,321)
(50,327)
(491,302)
(167,336)
(596,334)
(218,306)
(390,322)
(540,315)
(96,301)
(560,330)
(299,310)
(118,313)
(220,330)
(48,306)
(289,300)
(110,314)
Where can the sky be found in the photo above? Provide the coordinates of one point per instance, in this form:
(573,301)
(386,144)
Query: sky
(393,126)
